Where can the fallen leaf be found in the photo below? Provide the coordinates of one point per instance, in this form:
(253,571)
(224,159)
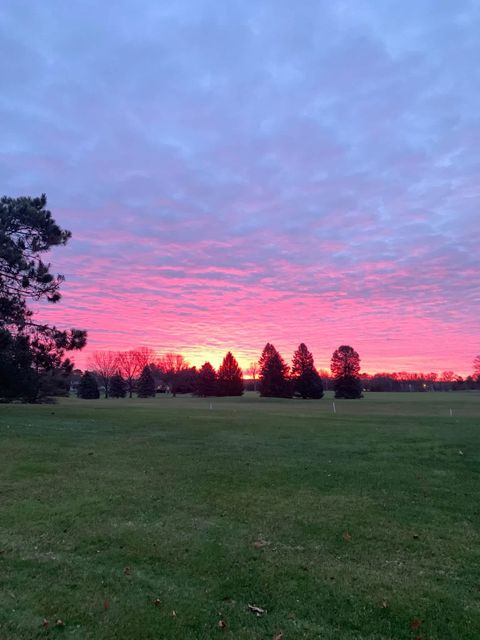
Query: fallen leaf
(222,624)
(347,536)
(384,604)
(45,623)
(174,614)
(279,636)
(127,571)
(157,602)
(60,623)
(256,610)
(415,624)
(259,544)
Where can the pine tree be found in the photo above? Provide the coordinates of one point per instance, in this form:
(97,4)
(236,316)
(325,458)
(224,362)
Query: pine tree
(230,378)
(345,366)
(146,384)
(274,382)
(33,352)
(88,388)
(118,386)
(306,380)
(206,381)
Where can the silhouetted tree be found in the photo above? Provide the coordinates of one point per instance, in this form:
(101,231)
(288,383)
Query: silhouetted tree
(229,377)
(274,381)
(253,371)
(171,368)
(345,366)
(17,375)
(88,388)
(206,381)
(130,363)
(306,380)
(146,384)
(476,368)
(27,230)
(104,364)
(185,381)
(118,387)
(470,382)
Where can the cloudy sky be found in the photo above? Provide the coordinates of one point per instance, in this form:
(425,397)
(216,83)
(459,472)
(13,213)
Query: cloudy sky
(241,171)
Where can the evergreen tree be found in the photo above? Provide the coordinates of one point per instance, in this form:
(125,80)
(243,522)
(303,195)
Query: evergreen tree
(88,388)
(146,384)
(118,386)
(33,350)
(345,366)
(229,378)
(206,381)
(274,382)
(305,378)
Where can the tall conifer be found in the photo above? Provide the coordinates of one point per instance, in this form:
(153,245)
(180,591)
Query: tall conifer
(274,382)
(305,378)
(229,378)
(146,384)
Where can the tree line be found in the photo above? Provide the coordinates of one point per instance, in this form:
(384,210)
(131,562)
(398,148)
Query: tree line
(138,370)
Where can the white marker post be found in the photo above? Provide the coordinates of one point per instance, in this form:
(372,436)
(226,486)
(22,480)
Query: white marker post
(334,407)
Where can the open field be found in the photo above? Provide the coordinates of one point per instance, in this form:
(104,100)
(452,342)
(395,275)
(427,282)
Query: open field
(360,525)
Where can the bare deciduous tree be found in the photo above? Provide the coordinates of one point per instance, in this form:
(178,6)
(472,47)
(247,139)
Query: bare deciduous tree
(252,371)
(104,364)
(170,365)
(131,364)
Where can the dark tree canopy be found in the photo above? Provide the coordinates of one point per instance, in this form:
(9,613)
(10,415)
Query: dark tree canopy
(345,366)
(206,381)
(305,378)
(118,386)
(229,377)
(274,382)
(88,388)
(27,231)
(146,384)
(184,381)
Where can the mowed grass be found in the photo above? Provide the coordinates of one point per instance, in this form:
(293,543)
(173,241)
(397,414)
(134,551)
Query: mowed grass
(139,519)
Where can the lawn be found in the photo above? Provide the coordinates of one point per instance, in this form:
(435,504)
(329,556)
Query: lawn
(142,519)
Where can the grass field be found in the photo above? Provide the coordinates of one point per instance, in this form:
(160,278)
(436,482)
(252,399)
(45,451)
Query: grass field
(143,519)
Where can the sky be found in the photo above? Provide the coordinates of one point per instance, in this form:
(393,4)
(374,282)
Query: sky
(247,171)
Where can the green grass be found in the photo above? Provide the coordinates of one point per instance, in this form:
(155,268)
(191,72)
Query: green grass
(179,494)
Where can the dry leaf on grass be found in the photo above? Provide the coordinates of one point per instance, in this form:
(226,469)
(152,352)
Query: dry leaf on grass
(127,571)
(258,611)
(157,602)
(259,544)
(222,624)
(45,623)
(60,623)
(279,636)
(347,536)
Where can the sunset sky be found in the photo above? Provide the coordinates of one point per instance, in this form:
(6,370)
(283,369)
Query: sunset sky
(247,171)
